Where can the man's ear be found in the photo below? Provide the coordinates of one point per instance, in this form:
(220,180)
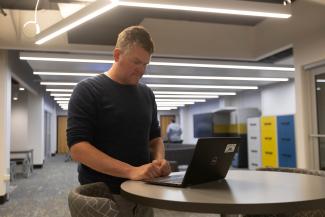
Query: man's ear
(116,54)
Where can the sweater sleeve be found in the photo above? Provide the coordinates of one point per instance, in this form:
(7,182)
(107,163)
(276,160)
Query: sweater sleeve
(81,115)
(155,128)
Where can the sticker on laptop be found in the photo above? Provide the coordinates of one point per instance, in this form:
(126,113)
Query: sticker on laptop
(230,148)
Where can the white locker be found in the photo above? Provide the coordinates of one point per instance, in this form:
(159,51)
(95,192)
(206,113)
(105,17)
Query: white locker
(254,143)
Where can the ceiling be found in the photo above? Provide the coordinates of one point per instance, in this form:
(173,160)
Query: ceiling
(104,30)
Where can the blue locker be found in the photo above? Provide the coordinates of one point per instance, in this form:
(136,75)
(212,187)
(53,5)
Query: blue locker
(286,141)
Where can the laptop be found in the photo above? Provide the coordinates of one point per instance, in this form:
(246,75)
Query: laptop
(211,161)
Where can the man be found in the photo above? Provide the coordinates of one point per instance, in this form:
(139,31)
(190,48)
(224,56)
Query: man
(174,132)
(112,122)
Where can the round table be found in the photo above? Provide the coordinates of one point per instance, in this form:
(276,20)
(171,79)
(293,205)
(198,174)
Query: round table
(243,191)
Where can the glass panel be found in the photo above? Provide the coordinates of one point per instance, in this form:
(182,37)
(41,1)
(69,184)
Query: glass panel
(320,101)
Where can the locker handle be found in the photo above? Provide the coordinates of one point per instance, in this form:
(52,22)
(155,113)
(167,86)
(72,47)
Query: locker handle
(252,124)
(286,155)
(286,139)
(285,123)
(254,164)
(268,138)
(269,152)
(254,151)
(267,124)
(253,137)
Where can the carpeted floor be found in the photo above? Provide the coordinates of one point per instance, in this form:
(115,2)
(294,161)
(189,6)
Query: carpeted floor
(44,193)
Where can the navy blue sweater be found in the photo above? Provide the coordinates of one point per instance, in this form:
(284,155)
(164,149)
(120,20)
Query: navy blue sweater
(119,120)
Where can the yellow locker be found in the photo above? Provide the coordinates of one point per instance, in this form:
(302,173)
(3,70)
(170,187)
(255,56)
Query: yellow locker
(269,142)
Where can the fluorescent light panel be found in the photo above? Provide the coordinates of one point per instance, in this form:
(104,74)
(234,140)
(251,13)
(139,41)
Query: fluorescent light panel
(320,80)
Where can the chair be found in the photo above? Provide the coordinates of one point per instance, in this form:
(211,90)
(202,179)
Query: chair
(307,213)
(93,200)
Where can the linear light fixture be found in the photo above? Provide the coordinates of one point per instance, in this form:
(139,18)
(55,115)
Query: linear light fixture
(93,10)
(198,77)
(105,60)
(62,98)
(59,59)
(185,96)
(60,94)
(223,8)
(162,108)
(223,66)
(85,74)
(60,90)
(180,100)
(320,80)
(203,86)
(216,6)
(59,83)
(195,93)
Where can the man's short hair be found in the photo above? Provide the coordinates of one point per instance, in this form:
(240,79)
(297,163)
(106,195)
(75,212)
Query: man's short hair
(135,35)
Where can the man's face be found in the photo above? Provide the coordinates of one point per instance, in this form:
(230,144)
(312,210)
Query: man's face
(132,64)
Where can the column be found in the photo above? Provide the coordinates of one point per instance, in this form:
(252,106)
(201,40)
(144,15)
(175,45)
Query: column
(5,115)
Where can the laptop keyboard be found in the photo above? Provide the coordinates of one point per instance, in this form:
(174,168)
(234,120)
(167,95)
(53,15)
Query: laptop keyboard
(175,179)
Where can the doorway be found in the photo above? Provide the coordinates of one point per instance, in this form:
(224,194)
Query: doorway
(47,134)
(62,135)
(164,121)
(317,72)
(320,108)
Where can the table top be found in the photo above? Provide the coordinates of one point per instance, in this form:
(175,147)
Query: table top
(243,191)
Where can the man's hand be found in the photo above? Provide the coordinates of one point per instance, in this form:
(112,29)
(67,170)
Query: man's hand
(146,171)
(164,166)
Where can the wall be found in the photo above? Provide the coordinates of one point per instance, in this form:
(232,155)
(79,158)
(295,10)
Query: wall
(278,99)
(36,126)
(51,107)
(186,116)
(19,122)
